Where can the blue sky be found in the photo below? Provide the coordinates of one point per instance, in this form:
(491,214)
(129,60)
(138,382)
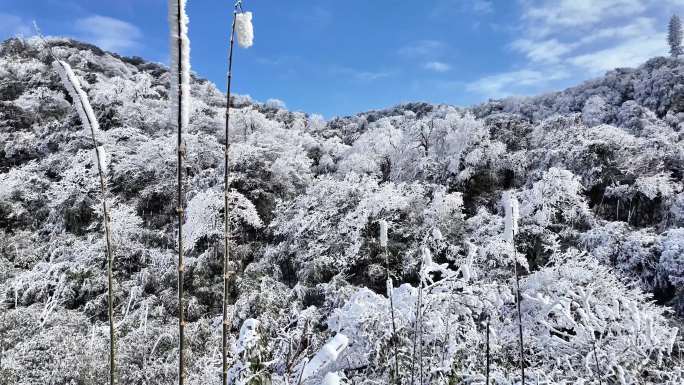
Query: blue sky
(341,57)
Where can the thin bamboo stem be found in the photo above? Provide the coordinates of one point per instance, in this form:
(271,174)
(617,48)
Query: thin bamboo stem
(420,339)
(110,254)
(418,328)
(517,301)
(110,263)
(179,209)
(598,368)
(306,353)
(107,229)
(487,353)
(394,325)
(226,222)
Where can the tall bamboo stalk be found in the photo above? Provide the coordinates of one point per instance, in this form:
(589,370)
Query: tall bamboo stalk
(420,346)
(418,328)
(180,56)
(394,326)
(110,262)
(89,121)
(598,368)
(487,353)
(517,302)
(226,222)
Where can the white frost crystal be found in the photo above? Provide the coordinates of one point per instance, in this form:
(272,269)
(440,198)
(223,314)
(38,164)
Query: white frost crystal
(332,378)
(326,356)
(102,159)
(80,98)
(249,335)
(389,286)
(510,204)
(244,29)
(85,110)
(383,233)
(180,63)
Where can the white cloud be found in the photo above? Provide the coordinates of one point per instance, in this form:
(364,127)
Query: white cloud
(576,39)
(630,53)
(515,82)
(370,75)
(447,8)
(362,75)
(109,33)
(639,27)
(423,48)
(552,50)
(542,51)
(437,66)
(628,44)
(316,16)
(482,6)
(546,16)
(13,25)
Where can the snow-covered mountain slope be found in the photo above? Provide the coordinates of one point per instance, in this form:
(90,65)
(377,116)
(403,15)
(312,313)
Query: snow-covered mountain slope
(597,170)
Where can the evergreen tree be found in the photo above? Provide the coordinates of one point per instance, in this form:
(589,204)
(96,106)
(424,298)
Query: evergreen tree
(674,36)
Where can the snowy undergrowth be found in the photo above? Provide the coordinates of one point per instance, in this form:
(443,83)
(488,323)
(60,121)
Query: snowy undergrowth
(597,170)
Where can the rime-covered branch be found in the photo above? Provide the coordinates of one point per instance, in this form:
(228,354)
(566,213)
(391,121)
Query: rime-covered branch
(89,122)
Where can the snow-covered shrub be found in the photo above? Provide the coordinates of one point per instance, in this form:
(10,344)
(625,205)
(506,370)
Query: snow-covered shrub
(570,307)
(328,229)
(672,255)
(595,111)
(315,265)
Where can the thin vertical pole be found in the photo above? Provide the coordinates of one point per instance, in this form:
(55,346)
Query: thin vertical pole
(109,250)
(420,340)
(226,222)
(179,208)
(107,227)
(110,279)
(517,301)
(598,368)
(109,243)
(110,257)
(394,326)
(418,328)
(487,352)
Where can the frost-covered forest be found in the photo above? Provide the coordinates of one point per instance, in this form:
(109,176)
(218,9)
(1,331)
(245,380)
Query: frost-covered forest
(369,249)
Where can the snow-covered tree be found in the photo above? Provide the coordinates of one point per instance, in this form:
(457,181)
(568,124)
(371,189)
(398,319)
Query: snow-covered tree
(596,169)
(674,36)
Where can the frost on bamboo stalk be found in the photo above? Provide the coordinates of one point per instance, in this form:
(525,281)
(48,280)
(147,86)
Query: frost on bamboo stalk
(244,29)
(511,207)
(89,122)
(80,98)
(180,64)
(180,107)
(383,233)
(389,286)
(242,26)
(326,357)
(101,158)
